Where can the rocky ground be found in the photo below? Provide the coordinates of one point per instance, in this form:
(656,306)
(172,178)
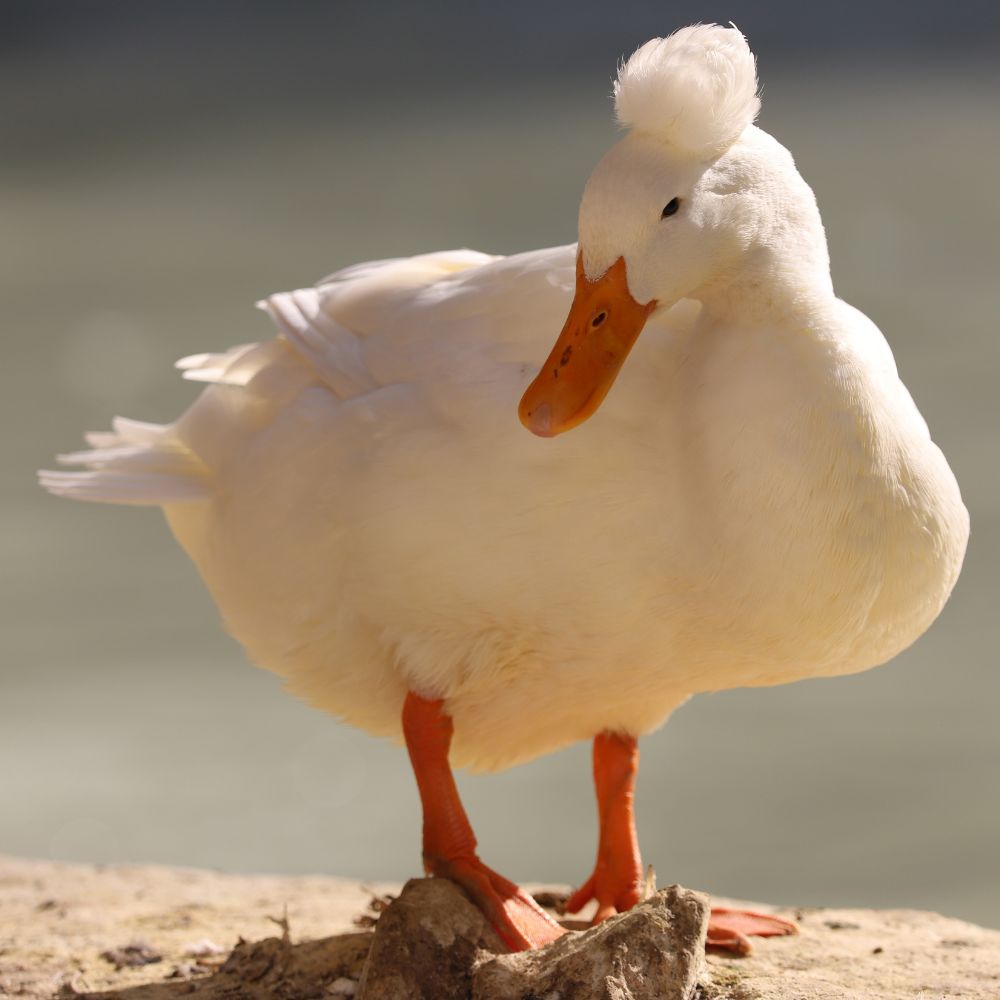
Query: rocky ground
(151,933)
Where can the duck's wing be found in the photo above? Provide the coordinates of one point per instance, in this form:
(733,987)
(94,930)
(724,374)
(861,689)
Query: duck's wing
(455,312)
(419,269)
(443,330)
(142,463)
(237,366)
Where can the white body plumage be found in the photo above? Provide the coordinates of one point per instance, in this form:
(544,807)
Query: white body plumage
(757,501)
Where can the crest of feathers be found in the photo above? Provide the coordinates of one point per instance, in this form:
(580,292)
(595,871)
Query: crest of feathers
(696,89)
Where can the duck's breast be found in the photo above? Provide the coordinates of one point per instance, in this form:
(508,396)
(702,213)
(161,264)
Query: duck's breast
(834,523)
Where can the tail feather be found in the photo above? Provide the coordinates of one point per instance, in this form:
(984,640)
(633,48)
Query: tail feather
(136,463)
(139,431)
(150,489)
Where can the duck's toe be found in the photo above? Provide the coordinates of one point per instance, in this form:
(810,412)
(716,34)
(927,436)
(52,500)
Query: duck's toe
(516,917)
(731,930)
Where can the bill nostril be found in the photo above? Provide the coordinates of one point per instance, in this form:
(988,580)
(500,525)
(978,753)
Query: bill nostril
(598,319)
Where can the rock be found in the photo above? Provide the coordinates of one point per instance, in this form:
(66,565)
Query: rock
(427,944)
(433,944)
(656,951)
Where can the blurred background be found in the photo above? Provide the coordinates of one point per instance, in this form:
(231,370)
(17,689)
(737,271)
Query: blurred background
(165,164)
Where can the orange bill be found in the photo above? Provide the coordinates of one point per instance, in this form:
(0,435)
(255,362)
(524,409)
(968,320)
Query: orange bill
(603,324)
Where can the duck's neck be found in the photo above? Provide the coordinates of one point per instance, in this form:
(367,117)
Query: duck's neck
(771,290)
(786,273)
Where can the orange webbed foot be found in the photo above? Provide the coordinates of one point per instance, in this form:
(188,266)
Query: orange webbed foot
(731,930)
(516,917)
(613,895)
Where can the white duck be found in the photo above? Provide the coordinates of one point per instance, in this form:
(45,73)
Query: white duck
(757,501)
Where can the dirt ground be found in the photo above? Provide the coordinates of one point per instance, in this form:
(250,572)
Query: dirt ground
(155,933)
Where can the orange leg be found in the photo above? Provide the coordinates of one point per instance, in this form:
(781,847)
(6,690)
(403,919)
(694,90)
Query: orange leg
(449,843)
(616,883)
(617,880)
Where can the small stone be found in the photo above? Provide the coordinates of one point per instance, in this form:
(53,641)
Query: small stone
(549,899)
(343,987)
(132,955)
(655,951)
(70,984)
(203,948)
(185,970)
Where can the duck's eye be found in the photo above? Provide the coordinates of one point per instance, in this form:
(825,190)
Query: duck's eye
(670,208)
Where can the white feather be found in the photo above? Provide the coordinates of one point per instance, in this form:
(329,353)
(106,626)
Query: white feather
(330,348)
(237,366)
(696,89)
(136,463)
(436,264)
(147,489)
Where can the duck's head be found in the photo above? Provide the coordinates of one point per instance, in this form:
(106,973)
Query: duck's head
(671,210)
